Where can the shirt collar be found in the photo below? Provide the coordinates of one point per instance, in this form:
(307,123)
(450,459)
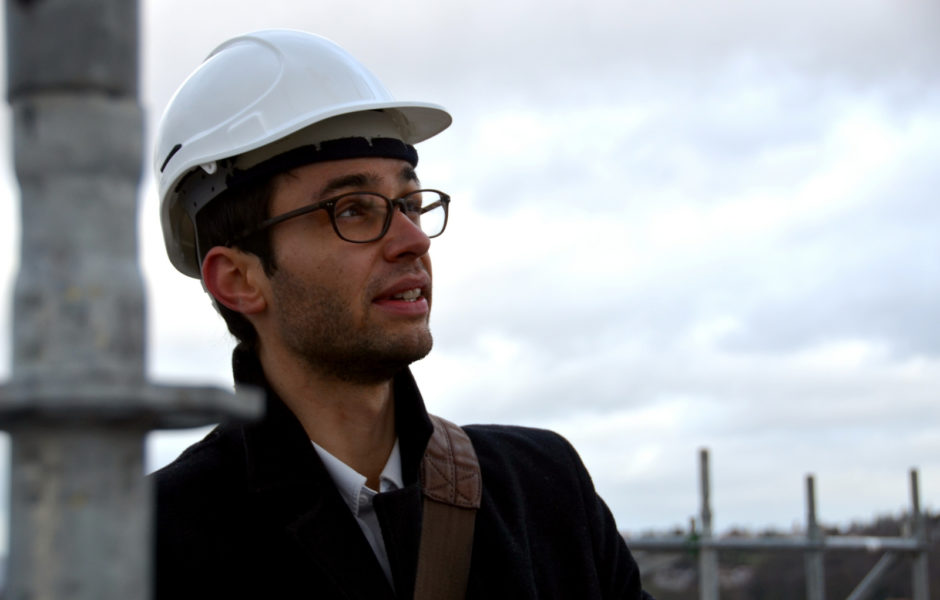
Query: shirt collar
(352,484)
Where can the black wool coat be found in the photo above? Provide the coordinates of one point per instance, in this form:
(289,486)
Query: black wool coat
(251,512)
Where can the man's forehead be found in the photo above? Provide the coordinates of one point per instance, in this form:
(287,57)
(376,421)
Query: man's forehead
(351,172)
(319,181)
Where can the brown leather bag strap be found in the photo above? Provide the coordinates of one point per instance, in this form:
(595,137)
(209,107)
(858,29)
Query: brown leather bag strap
(452,486)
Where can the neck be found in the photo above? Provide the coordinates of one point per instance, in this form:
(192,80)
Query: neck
(355,422)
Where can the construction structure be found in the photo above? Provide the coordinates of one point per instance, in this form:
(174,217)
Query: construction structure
(78,405)
(813,545)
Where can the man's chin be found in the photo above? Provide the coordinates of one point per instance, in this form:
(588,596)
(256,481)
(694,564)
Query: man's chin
(373,372)
(374,366)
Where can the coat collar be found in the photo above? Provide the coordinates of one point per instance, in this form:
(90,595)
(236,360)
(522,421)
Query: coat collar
(292,489)
(283,440)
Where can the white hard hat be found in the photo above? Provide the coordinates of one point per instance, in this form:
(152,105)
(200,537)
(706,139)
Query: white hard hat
(261,94)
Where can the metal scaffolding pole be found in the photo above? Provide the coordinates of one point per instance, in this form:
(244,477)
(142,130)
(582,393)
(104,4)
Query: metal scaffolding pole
(920,575)
(708,556)
(813,559)
(866,586)
(78,405)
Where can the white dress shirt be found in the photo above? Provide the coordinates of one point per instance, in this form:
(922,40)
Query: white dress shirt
(358,496)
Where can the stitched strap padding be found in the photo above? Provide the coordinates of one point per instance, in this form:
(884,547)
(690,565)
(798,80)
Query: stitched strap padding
(453,486)
(450,472)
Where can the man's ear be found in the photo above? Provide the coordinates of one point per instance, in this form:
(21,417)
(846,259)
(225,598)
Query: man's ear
(235,279)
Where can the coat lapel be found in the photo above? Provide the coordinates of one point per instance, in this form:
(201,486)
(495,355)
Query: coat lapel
(334,542)
(294,493)
(399,513)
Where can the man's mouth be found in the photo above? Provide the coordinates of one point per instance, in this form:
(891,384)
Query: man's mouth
(408,295)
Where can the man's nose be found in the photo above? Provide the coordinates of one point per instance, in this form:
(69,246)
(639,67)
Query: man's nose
(405,237)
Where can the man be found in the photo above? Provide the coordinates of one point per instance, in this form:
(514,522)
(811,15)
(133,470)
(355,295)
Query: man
(288,185)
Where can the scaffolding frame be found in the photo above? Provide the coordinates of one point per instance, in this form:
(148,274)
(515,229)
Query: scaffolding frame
(813,545)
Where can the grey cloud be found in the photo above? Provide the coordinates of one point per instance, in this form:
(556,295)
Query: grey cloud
(874,272)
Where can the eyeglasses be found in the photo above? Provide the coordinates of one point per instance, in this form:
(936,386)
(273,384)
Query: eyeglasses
(362,217)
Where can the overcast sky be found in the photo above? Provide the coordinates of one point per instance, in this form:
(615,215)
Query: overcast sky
(675,225)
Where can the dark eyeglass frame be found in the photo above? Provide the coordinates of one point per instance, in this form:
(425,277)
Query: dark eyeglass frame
(329,205)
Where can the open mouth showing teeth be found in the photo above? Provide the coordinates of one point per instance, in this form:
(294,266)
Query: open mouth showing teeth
(408,296)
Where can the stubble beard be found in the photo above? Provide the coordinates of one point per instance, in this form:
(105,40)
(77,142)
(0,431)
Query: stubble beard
(321,330)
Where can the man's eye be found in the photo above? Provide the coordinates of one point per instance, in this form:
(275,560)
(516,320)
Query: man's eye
(413,207)
(352,207)
(412,204)
(349,210)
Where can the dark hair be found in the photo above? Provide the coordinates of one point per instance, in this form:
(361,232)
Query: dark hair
(225,217)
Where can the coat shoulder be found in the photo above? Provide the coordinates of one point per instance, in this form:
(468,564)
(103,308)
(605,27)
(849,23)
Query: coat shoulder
(204,471)
(542,515)
(526,448)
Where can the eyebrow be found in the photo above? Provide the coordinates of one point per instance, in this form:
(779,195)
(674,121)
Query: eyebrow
(364,179)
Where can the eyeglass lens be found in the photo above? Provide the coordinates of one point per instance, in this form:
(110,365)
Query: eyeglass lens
(362,216)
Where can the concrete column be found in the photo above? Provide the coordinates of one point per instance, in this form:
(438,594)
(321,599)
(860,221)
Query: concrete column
(79,406)
(79,506)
